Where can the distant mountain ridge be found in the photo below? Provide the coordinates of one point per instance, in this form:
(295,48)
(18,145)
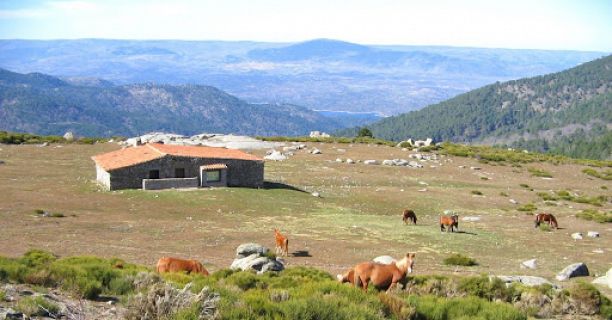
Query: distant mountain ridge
(43,104)
(321,74)
(568,112)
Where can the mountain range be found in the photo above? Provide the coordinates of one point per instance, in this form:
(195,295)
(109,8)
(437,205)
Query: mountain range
(320,74)
(43,104)
(568,112)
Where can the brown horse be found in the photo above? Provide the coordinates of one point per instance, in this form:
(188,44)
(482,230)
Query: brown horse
(546,217)
(167,264)
(348,276)
(383,276)
(409,215)
(282,243)
(450,222)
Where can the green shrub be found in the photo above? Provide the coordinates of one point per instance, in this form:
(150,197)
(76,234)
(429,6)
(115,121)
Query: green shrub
(524,185)
(545,227)
(430,307)
(244,280)
(587,297)
(595,215)
(476,192)
(405,144)
(547,196)
(37,258)
(2,295)
(528,207)
(539,173)
(503,194)
(605,175)
(37,306)
(458,259)
(596,201)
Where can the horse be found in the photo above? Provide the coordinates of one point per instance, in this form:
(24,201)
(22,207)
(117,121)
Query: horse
(450,222)
(282,243)
(546,217)
(383,276)
(348,276)
(409,215)
(167,264)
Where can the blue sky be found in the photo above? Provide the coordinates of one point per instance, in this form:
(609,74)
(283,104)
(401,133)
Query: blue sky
(535,24)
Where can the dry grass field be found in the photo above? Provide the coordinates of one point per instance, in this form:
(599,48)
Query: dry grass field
(357,217)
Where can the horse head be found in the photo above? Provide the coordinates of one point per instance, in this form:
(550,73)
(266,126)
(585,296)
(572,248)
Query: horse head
(537,220)
(406,263)
(455,218)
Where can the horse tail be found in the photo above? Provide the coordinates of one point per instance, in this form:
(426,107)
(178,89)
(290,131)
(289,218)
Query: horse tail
(554,221)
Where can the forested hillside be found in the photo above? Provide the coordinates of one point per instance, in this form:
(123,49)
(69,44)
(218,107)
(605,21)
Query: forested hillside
(43,104)
(569,112)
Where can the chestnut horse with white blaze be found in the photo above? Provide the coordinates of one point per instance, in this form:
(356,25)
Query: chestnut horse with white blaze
(546,217)
(282,243)
(409,215)
(450,222)
(382,276)
(348,276)
(167,264)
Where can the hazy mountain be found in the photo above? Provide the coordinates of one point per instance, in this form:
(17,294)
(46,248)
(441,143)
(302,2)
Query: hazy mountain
(567,112)
(320,74)
(39,103)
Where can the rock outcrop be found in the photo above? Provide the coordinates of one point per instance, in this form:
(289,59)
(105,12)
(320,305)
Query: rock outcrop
(252,256)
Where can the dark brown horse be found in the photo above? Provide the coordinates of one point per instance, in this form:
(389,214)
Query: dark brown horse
(382,276)
(409,215)
(450,222)
(546,217)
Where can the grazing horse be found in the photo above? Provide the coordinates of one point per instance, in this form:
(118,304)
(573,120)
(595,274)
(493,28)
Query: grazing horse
(383,276)
(546,217)
(409,215)
(348,276)
(450,222)
(167,264)
(282,243)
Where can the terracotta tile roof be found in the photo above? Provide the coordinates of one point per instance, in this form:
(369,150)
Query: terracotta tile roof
(214,166)
(135,155)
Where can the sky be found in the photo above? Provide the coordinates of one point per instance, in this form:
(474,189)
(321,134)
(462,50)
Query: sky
(520,24)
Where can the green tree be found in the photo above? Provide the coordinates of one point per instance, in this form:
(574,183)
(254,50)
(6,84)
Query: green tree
(365,132)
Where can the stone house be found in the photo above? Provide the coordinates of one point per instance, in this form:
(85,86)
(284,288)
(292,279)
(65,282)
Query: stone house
(155,166)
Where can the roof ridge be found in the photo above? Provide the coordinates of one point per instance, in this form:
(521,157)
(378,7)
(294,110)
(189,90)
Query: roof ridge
(152,147)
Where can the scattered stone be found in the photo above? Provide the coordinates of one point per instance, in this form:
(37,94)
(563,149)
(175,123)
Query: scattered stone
(404,149)
(513,201)
(529,281)
(529,264)
(384,260)
(388,163)
(415,164)
(475,168)
(370,162)
(45,144)
(341,150)
(462,167)
(350,161)
(316,194)
(599,250)
(422,190)
(593,234)
(276,156)
(319,134)
(573,270)
(338,160)
(315,151)
(69,136)
(256,260)
(605,280)
(423,183)
(577,236)
(470,219)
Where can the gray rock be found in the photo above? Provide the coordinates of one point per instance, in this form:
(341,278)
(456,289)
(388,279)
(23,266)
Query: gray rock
(475,168)
(350,161)
(388,163)
(69,136)
(258,263)
(470,219)
(400,162)
(384,260)
(316,194)
(605,280)
(526,280)
(577,236)
(247,249)
(573,270)
(593,234)
(415,164)
(529,264)
(315,151)
(276,156)
(513,201)
(338,160)
(371,162)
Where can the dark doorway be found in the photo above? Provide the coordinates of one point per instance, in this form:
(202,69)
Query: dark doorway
(179,173)
(154,174)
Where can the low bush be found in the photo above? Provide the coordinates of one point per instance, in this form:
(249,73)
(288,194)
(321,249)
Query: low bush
(458,259)
(528,207)
(605,174)
(431,307)
(595,215)
(539,173)
(476,192)
(545,227)
(37,306)
(2,295)
(503,194)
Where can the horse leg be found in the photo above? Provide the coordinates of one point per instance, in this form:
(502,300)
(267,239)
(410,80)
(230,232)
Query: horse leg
(393,284)
(441,227)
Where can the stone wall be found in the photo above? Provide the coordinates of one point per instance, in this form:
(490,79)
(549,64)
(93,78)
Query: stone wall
(240,173)
(169,183)
(103,178)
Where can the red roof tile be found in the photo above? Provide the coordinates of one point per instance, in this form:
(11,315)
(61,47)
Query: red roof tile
(131,156)
(214,166)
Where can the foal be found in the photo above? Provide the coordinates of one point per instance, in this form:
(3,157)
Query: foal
(450,222)
(409,215)
(546,217)
(282,243)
